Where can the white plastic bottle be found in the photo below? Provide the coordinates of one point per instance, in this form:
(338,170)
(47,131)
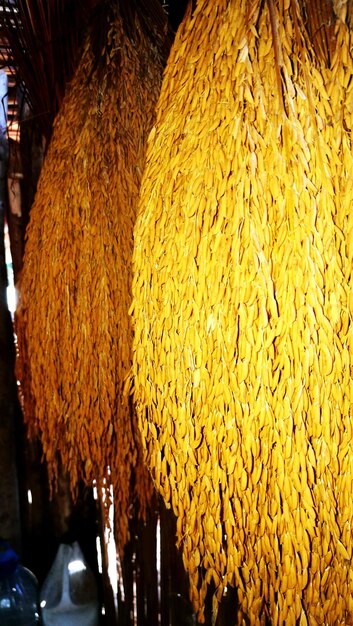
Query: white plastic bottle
(68,596)
(18,590)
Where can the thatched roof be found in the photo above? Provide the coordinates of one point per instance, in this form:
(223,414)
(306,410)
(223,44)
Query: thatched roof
(40,42)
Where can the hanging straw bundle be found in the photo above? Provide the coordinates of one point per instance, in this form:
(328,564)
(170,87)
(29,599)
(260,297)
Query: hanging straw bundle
(74,331)
(242,309)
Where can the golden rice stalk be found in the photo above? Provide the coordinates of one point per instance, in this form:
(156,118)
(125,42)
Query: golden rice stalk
(74,331)
(242,310)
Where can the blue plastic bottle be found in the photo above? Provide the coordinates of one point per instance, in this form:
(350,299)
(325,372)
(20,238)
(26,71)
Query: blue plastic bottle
(18,590)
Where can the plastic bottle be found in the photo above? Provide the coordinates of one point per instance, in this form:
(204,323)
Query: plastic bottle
(68,596)
(18,590)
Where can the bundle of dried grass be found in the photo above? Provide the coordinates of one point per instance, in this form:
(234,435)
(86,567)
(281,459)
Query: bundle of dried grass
(242,307)
(74,332)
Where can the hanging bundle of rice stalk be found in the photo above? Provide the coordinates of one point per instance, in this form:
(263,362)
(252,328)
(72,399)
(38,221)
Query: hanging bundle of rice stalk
(74,331)
(242,309)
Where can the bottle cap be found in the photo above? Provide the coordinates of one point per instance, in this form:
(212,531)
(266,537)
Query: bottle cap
(8,559)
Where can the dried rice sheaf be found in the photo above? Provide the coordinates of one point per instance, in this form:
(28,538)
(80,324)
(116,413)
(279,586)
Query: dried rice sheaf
(242,310)
(74,331)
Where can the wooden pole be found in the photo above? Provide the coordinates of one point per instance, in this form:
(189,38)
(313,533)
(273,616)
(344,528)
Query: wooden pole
(9,511)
